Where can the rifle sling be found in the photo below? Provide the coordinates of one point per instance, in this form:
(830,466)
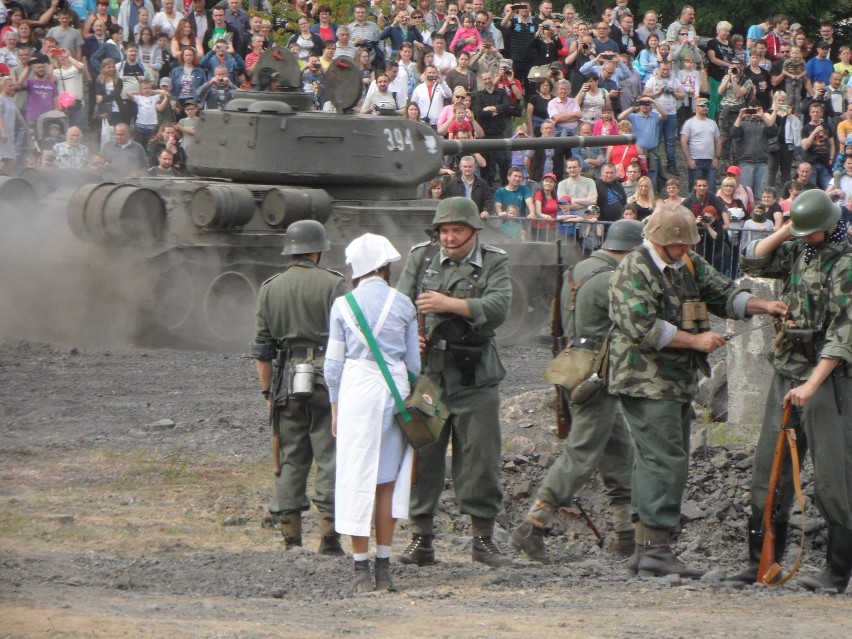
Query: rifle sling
(787,435)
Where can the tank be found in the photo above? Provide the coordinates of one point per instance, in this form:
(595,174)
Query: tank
(199,247)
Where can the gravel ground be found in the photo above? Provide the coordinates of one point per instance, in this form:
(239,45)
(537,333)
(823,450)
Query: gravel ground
(133,489)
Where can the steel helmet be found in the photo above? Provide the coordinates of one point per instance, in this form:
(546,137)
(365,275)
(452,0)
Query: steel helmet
(457,210)
(623,235)
(305,236)
(813,211)
(672,224)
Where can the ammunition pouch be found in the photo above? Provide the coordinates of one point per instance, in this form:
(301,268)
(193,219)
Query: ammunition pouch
(806,341)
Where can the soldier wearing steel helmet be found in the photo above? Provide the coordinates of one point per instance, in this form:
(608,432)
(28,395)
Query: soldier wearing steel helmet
(291,332)
(599,438)
(812,360)
(462,287)
(660,296)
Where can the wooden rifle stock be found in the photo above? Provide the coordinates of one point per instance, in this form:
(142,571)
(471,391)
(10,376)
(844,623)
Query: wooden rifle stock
(563,415)
(276,442)
(768,569)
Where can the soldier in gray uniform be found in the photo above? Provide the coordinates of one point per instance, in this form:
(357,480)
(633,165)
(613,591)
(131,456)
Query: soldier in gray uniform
(293,310)
(599,438)
(660,297)
(462,286)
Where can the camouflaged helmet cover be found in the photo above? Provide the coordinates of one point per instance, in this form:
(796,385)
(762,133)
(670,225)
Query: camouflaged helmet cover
(305,236)
(623,235)
(672,224)
(457,210)
(813,211)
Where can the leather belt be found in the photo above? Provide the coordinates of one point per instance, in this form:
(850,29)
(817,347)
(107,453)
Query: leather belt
(306,353)
(587,343)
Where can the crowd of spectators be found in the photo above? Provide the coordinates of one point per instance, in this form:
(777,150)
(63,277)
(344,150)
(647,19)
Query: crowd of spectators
(762,108)
(129,75)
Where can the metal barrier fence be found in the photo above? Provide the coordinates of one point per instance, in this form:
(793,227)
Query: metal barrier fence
(723,254)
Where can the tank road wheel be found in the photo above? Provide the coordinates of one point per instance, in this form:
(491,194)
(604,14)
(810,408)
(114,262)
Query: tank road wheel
(228,307)
(173,298)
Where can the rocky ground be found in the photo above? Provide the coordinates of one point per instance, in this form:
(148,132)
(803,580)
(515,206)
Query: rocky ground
(133,484)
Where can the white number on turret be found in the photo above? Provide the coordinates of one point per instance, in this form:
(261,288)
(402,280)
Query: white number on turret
(399,139)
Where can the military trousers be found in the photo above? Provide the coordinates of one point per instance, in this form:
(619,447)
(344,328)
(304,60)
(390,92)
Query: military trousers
(599,439)
(304,427)
(474,430)
(823,430)
(660,431)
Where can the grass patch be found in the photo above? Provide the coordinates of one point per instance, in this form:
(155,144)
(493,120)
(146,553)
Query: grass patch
(117,500)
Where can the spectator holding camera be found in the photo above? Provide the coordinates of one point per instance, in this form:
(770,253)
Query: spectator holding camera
(720,59)
(546,44)
(485,60)
(734,90)
(818,145)
(218,90)
(667,90)
(220,56)
(519,29)
(751,132)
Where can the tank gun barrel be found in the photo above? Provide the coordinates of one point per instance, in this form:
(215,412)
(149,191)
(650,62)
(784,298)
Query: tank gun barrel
(456,147)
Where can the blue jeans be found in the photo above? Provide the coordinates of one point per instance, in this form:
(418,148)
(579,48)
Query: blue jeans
(703,168)
(753,175)
(670,137)
(820,175)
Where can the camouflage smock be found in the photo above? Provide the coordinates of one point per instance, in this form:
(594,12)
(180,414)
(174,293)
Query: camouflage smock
(819,295)
(637,306)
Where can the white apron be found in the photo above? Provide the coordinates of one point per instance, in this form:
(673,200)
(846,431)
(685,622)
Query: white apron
(364,406)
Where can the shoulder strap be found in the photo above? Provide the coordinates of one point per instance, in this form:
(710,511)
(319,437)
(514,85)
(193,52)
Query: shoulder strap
(575,287)
(377,353)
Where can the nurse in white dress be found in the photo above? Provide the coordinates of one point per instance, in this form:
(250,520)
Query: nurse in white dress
(373,478)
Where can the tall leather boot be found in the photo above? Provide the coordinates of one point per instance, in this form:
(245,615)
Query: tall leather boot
(529,535)
(658,560)
(755,546)
(291,529)
(839,557)
(329,538)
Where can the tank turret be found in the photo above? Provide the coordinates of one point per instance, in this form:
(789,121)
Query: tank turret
(269,137)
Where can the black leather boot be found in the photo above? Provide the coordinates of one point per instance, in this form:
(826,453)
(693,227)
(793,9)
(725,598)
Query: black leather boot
(755,546)
(839,557)
(658,560)
(419,551)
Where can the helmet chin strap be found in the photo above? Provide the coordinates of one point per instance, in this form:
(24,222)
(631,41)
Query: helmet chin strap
(460,244)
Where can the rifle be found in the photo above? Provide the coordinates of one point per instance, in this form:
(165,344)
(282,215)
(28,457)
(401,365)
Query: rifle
(768,569)
(276,387)
(584,515)
(563,415)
